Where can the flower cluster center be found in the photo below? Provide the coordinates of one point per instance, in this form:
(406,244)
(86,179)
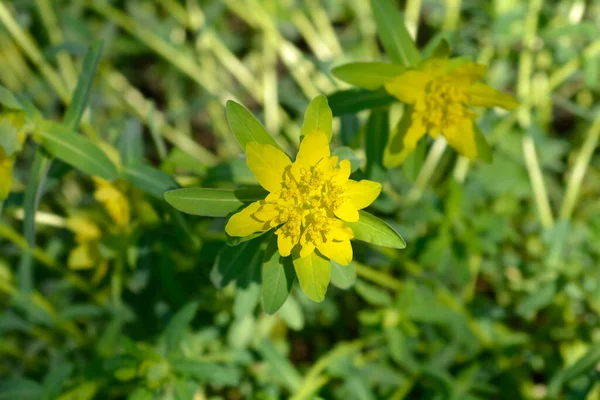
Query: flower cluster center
(307,201)
(441,106)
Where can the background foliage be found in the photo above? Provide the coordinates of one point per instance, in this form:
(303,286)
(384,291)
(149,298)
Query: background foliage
(496,296)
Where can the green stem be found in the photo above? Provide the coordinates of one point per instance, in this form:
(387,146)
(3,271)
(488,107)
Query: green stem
(577,174)
(411,17)
(426,172)
(378,277)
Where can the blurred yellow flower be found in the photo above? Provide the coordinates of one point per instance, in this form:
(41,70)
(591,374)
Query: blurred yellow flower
(440,91)
(308,199)
(85,255)
(114,201)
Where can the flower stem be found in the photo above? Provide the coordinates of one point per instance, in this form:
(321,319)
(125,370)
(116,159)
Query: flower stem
(577,174)
(378,277)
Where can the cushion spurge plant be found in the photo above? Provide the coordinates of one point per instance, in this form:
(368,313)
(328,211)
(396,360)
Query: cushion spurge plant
(311,207)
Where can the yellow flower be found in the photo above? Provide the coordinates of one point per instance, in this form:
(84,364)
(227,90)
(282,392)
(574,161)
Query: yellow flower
(85,255)
(114,201)
(440,91)
(308,201)
(6,171)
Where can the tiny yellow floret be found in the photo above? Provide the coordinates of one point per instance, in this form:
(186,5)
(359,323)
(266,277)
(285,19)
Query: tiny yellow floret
(308,201)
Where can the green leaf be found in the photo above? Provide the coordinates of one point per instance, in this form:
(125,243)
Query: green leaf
(75,150)
(247,293)
(584,366)
(393,34)
(377,132)
(55,379)
(355,100)
(313,273)
(277,278)
(246,127)
(318,116)
(84,85)
(212,202)
(484,152)
(287,372)
(367,75)
(292,314)
(22,389)
(343,276)
(207,372)
(177,325)
(442,50)
(149,179)
(373,294)
(232,262)
(373,230)
(346,153)
(8,100)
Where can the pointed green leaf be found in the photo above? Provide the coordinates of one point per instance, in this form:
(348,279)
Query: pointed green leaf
(373,230)
(318,116)
(232,262)
(355,100)
(343,276)
(75,150)
(583,366)
(292,314)
(313,273)
(367,75)
(81,95)
(149,179)
(442,50)
(393,33)
(277,278)
(212,202)
(177,325)
(484,152)
(246,127)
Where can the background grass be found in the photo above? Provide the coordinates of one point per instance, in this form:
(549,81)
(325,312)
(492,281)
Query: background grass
(496,296)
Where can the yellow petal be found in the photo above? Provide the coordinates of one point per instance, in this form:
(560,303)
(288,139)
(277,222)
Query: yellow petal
(244,223)
(409,86)
(85,230)
(361,194)
(267,163)
(266,212)
(285,244)
(481,95)
(306,249)
(462,138)
(347,212)
(468,73)
(340,252)
(343,173)
(403,141)
(313,148)
(6,172)
(339,231)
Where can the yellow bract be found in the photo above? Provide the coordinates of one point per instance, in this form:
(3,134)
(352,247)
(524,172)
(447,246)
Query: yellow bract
(85,255)
(113,200)
(440,91)
(308,199)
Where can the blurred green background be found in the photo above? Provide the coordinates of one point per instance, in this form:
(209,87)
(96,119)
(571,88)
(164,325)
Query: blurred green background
(497,295)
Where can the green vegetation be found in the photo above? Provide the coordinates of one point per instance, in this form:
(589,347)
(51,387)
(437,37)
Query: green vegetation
(108,292)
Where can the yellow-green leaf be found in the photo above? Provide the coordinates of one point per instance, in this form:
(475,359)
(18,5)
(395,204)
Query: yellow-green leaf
(367,75)
(313,273)
(318,116)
